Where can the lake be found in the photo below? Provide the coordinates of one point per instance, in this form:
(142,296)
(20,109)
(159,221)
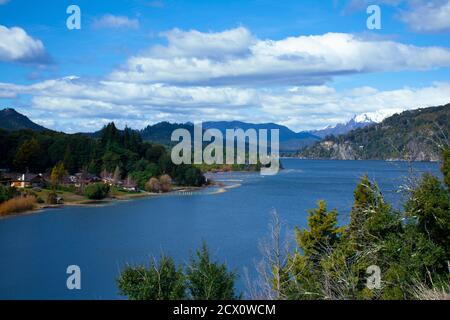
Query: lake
(36,249)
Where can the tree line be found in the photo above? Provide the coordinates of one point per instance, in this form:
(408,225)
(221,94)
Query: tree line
(113,149)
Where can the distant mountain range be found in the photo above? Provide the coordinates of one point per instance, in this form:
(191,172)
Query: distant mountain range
(362,137)
(290,141)
(416,135)
(359,121)
(11,120)
(161,132)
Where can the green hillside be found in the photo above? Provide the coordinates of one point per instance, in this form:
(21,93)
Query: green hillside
(416,135)
(11,120)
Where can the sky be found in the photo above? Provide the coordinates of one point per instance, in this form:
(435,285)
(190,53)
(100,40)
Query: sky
(306,64)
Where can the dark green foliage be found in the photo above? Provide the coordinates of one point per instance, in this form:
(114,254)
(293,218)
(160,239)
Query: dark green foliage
(10,119)
(97,191)
(446,167)
(7,193)
(429,205)
(331,262)
(209,280)
(112,149)
(160,281)
(28,155)
(188,176)
(322,231)
(203,280)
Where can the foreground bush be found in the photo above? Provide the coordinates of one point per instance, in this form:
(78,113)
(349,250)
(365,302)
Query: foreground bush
(208,280)
(52,198)
(17,205)
(162,280)
(96,191)
(408,247)
(7,193)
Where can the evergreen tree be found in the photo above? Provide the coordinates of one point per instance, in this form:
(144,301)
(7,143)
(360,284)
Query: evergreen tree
(160,281)
(28,155)
(429,205)
(322,231)
(208,280)
(304,266)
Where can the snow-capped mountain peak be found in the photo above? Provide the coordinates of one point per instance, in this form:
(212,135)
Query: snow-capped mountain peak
(375,117)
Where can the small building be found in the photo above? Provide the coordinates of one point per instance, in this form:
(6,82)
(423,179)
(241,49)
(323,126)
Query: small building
(130,185)
(82,179)
(29,180)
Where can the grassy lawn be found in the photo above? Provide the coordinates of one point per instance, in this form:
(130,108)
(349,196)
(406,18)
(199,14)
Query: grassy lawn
(68,197)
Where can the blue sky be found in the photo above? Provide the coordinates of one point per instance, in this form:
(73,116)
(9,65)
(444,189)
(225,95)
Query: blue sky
(303,63)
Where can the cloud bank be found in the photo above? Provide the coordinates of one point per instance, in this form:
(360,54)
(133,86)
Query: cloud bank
(17,46)
(237,57)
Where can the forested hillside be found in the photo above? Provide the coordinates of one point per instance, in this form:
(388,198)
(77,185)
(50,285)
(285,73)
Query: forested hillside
(417,135)
(39,151)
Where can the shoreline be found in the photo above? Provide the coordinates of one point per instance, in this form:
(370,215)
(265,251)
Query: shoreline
(106,201)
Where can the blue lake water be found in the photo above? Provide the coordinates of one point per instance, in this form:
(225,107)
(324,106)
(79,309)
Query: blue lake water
(36,249)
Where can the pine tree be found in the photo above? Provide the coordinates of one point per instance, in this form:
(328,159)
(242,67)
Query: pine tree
(162,280)
(429,205)
(208,280)
(322,231)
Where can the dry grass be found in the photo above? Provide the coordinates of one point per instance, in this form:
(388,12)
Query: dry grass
(422,292)
(17,205)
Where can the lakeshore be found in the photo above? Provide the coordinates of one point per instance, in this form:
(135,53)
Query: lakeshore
(70,199)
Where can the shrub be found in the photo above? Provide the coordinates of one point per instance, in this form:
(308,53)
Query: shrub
(17,205)
(96,191)
(153,185)
(161,281)
(52,198)
(209,280)
(7,193)
(203,279)
(166,183)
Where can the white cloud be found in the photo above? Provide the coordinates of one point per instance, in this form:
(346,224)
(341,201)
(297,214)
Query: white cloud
(111,21)
(236,57)
(3,2)
(233,75)
(76,105)
(430,16)
(17,45)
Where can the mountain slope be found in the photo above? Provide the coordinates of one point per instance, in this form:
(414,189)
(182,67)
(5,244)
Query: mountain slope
(356,122)
(162,132)
(412,135)
(289,140)
(11,120)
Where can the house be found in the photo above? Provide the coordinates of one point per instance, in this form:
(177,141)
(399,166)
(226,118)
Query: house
(83,178)
(29,180)
(130,185)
